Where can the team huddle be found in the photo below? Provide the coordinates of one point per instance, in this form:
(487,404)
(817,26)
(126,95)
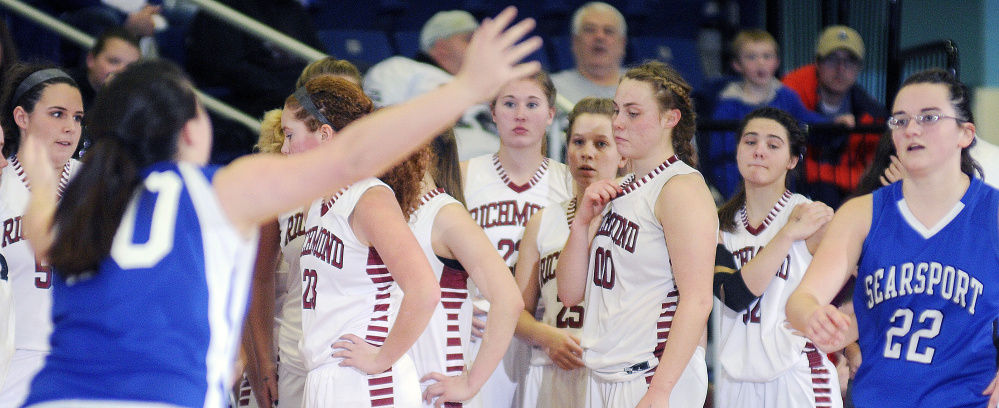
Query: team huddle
(356,263)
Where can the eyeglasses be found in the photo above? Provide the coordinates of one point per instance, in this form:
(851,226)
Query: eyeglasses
(902,121)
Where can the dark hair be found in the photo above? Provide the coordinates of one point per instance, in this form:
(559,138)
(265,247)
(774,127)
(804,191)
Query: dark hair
(672,92)
(796,144)
(339,100)
(328,66)
(591,105)
(114,33)
(8,50)
(135,122)
(17,74)
(871,179)
(445,167)
(960,100)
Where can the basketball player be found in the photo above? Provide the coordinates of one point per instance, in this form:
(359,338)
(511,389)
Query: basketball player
(44,104)
(6,303)
(924,249)
(189,268)
(768,236)
(451,240)
(504,189)
(637,293)
(557,377)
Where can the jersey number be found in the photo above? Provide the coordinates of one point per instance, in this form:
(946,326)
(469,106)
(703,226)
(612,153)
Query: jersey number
(933,319)
(44,281)
(311,278)
(603,268)
(130,255)
(570,317)
(753,315)
(510,246)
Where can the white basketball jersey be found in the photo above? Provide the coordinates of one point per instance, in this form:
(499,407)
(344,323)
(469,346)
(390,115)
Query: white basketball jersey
(631,293)
(502,208)
(553,231)
(754,344)
(345,285)
(30,282)
(288,289)
(441,347)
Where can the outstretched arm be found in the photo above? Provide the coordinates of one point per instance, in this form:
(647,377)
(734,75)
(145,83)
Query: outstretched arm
(254,189)
(42,205)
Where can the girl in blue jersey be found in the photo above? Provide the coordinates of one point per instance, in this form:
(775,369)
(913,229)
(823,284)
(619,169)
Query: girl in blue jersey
(153,248)
(924,250)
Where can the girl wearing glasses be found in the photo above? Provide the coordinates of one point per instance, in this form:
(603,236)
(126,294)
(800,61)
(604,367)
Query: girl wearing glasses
(924,250)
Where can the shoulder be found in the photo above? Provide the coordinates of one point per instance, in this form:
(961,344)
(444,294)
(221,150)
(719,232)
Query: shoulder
(802,78)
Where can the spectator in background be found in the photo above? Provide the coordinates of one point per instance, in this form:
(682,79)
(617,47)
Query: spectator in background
(443,40)
(114,50)
(756,61)
(834,165)
(259,73)
(598,40)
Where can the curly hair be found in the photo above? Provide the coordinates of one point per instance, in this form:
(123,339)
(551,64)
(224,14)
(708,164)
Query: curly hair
(271,136)
(406,178)
(672,92)
(336,98)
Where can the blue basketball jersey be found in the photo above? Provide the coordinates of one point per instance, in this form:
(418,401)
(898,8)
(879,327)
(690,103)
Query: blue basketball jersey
(160,321)
(927,302)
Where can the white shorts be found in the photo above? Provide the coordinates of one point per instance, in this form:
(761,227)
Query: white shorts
(330,385)
(812,382)
(690,390)
(500,390)
(563,389)
(23,367)
(291,385)
(531,386)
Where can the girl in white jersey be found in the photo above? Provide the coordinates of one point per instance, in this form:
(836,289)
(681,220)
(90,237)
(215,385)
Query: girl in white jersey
(357,248)
(767,238)
(647,275)
(557,377)
(6,305)
(150,115)
(452,240)
(504,189)
(274,321)
(44,104)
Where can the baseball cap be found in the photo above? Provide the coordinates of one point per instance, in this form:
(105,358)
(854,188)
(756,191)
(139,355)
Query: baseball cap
(839,37)
(445,24)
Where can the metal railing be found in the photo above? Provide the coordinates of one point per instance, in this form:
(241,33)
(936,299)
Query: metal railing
(86,42)
(258,29)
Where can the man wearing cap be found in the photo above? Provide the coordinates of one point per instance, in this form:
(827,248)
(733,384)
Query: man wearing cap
(598,41)
(829,86)
(443,41)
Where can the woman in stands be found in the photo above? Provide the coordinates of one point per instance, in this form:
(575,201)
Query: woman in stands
(148,308)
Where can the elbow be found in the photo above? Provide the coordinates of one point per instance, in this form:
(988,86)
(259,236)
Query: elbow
(569,299)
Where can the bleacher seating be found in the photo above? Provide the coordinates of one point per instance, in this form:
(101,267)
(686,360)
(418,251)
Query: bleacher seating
(681,53)
(362,47)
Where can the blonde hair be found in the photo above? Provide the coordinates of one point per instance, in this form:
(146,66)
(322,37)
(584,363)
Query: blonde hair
(329,66)
(754,35)
(271,136)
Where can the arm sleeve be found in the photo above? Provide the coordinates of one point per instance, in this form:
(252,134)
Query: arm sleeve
(728,284)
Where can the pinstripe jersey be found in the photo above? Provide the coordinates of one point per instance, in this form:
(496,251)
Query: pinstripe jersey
(502,208)
(345,285)
(927,303)
(553,231)
(631,295)
(754,344)
(161,319)
(441,347)
(30,282)
(288,286)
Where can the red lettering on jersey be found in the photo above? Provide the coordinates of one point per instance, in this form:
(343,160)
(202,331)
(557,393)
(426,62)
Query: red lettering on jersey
(12,231)
(296,227)
(311,279)
(784,267)
(603,268)
(743,256)
(503,213)
(323,244)
(624,233)
(546,267)
(44,281)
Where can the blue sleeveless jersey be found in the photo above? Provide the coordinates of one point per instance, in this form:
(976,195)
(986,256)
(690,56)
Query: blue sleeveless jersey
(160,321)
(927,302)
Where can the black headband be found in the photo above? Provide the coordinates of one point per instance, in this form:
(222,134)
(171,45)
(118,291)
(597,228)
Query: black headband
(36,78)
(304,99)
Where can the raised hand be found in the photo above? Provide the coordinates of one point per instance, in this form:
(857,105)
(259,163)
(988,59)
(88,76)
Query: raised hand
(493,56)
(806,219)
